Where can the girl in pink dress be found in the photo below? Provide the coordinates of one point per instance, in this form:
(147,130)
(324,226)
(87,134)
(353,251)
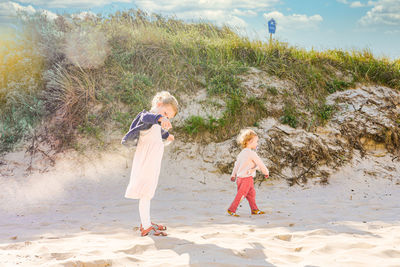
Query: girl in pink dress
(246,164)
(147,132)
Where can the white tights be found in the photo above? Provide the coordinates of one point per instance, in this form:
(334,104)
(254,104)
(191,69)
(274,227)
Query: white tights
(144,211)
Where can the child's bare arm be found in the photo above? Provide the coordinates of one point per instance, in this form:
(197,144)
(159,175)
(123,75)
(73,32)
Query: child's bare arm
(234,172)
(260,164)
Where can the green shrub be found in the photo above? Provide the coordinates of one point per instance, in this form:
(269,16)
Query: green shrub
(290,116)
(222,79)
(272,90)
(123,119)
(337,85)
(194,124)
(325,112)
(134,89)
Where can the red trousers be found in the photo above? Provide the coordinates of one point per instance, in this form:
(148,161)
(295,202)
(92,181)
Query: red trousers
(245,189)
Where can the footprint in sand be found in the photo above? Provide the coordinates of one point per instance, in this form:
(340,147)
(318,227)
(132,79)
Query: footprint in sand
(179,218)
(321,232)
(137,249)
(208,236)
(13,247)
(61,256)
(298,249)
(392,253)
(255,252)
(287,238)
(359,245)
(326,249)
(97,263)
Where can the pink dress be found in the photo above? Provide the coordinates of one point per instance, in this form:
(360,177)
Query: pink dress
(146,164)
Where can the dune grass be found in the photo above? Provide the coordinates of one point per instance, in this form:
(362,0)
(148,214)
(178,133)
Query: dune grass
(84,75)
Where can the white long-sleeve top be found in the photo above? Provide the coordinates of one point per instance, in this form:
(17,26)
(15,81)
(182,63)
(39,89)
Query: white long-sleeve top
(246,164)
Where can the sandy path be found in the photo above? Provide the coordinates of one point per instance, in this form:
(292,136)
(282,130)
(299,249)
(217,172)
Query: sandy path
(80,218)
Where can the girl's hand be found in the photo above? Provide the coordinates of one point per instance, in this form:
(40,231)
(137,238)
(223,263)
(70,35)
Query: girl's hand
(233,179)
(266,176)
(171,138)
(165,123)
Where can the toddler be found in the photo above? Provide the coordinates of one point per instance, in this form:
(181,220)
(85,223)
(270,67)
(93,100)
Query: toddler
(244,170)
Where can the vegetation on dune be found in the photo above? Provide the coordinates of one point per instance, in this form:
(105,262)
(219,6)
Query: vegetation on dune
(78,77)
(21,67)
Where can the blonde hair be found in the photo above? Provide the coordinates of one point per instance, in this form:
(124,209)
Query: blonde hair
(165,98)
(245,136)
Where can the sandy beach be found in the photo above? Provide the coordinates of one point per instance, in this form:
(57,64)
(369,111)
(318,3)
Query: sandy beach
(76,215)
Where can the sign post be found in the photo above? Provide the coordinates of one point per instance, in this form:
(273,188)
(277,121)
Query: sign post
(271,29)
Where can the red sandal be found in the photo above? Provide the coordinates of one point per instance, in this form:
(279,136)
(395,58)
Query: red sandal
(159,227)
(151,231)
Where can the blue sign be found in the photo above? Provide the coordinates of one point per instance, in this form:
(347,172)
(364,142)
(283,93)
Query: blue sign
(271,26)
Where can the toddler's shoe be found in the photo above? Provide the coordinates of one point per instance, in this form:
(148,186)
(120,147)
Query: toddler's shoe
(232,213)
(257,212)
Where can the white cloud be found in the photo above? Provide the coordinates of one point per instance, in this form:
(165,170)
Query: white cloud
(219,11)
(244,13)
(178,5)
(9,11)
(158,5)
(383,13)
(83,15)
(49,14)
(220,17)
(294,21)
(71,3)
(356,4)
(392,32)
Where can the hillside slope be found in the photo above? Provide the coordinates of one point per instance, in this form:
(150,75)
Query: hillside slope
(85,79)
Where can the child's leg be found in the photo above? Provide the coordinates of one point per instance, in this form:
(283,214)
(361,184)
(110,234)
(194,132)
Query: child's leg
(251,197)
(243,189)
(144,211)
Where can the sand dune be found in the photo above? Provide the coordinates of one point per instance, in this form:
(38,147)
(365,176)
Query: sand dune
(76,215)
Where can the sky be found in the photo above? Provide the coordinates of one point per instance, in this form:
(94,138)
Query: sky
(310,24)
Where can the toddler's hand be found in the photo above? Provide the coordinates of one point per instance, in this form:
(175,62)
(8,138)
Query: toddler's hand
(233,179)
(266,176)
(170,138)
(165,123)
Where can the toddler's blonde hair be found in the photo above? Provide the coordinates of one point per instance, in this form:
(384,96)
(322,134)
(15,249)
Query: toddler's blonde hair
(245,136)
(165,98)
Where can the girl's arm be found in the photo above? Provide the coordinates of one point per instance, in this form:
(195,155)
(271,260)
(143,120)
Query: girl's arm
(260,164)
